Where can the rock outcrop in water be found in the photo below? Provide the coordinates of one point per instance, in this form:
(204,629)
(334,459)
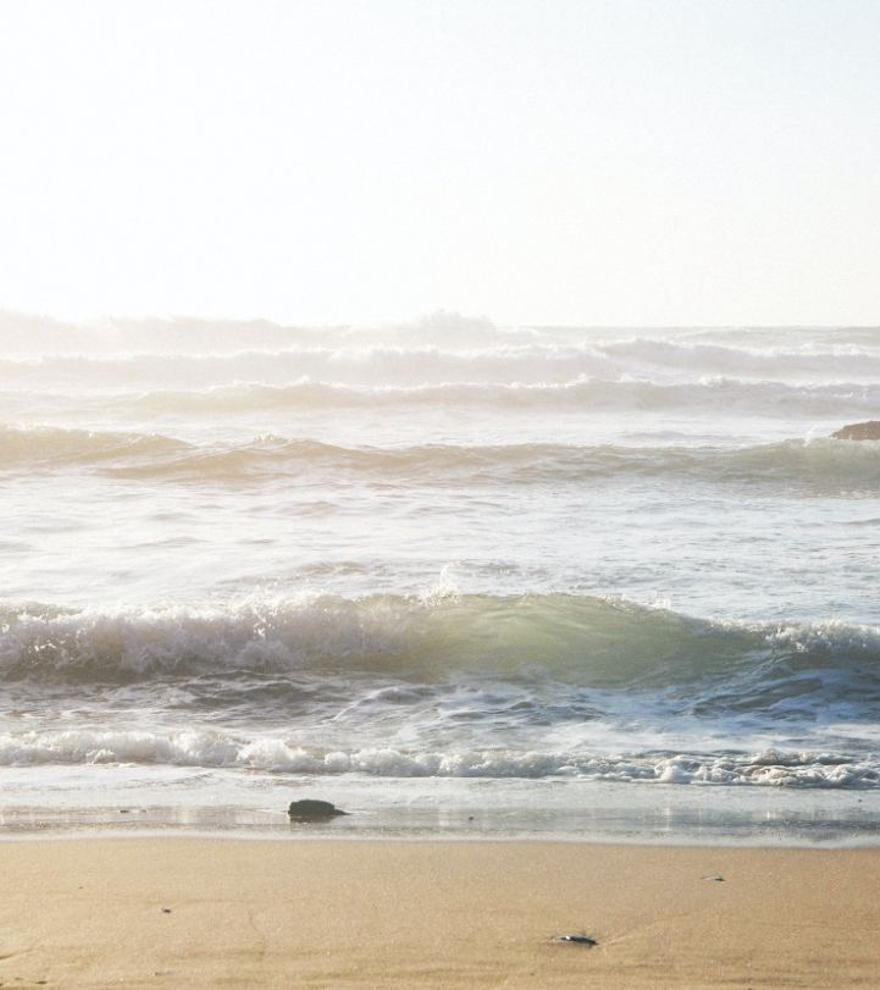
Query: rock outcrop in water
(313,811)
(859,431)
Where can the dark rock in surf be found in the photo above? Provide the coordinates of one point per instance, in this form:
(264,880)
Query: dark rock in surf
(313,811)
(859,431)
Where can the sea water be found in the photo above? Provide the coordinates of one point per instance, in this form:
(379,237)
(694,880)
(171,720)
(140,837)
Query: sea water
(458,578)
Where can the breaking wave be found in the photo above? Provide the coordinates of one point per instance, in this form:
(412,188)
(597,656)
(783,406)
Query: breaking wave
(443,346)
(394,365)
(194,748)
(533,639)
(843,361)
(578,395)
(824,463)
(474,686)
(44,446)
(366,366)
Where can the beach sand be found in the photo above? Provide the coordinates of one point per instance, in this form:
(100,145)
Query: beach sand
(191,912)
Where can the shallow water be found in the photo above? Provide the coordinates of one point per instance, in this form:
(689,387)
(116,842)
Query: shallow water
(619,564)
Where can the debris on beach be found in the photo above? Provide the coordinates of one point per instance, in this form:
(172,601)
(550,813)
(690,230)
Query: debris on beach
(309,810)
(716,879)
(577,940)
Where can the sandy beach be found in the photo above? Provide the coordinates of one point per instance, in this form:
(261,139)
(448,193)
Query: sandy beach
(187,912)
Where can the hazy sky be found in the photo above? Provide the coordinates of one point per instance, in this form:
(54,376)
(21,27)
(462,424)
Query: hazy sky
(559,161)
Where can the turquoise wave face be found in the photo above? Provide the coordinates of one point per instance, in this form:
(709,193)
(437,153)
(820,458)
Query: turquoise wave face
(531,640)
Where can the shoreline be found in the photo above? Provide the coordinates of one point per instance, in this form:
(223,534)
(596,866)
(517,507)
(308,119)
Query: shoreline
(172,833)
(193,911)
(105,800)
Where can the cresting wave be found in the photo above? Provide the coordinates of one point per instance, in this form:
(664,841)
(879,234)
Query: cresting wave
(205,354)
(578,395)
(812,361)
(212,749)
(504,363)
(364,366)
(45,445)
(823,463)
(530,640)
(474,686)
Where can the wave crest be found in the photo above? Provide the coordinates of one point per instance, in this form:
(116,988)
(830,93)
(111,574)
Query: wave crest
(47,445)
(580,394)
(597,642)
(826,464)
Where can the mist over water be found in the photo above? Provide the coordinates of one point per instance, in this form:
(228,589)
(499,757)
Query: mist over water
(441,550)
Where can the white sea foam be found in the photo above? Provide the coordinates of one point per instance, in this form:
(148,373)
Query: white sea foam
(190,748)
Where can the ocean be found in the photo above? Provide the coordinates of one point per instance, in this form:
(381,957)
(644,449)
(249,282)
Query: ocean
(460,579)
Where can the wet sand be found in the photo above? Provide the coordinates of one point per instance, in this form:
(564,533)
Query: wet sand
(186,912)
